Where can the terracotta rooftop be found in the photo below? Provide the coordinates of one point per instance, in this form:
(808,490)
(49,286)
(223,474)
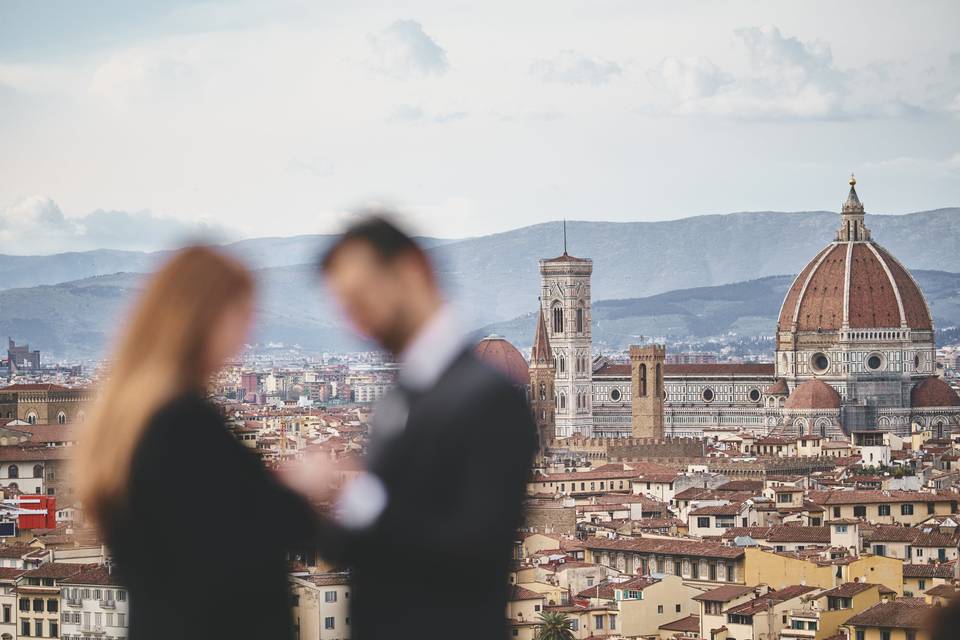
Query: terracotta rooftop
(934,392)
(726,593)
(668,546)
(903,613)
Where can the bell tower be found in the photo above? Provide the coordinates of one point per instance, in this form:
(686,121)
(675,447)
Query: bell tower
(646,374)
(565,307)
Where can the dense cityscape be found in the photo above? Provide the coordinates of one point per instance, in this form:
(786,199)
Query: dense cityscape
(675,494)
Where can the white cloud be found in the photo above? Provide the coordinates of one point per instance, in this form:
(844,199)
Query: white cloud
(404,50)
(689,78)
(143,75)
(784,78)
(412,114)
(571,67)
(36,225)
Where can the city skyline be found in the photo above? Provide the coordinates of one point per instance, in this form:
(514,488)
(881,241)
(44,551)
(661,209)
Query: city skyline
(133,127)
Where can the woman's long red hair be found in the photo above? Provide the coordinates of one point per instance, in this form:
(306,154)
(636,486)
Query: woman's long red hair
(162,352)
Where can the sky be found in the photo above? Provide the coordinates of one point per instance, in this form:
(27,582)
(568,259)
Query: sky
(133,125)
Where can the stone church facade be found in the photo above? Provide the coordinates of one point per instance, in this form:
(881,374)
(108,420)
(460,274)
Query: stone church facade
(854,351)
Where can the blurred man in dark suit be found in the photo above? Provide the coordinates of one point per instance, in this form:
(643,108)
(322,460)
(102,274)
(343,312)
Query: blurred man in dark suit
(428,528)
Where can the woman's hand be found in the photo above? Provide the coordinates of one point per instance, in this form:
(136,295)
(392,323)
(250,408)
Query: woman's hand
(316,477)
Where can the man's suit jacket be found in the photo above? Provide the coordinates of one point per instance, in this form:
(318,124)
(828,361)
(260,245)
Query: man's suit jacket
(435,563)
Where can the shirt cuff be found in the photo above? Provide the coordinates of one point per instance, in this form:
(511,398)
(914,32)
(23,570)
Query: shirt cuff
(361,502)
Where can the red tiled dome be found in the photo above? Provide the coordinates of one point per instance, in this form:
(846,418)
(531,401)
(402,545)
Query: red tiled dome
(503,356)
(813,394)
(778,388)
(934,392)
(853,282)
(879,292)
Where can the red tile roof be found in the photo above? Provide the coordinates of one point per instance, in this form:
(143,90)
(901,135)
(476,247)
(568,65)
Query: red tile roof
(903,613)
(667,546)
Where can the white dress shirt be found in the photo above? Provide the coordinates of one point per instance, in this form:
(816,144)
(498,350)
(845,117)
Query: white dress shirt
(430,353)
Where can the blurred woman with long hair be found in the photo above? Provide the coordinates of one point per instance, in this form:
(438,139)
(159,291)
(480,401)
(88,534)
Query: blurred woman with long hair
(199,529)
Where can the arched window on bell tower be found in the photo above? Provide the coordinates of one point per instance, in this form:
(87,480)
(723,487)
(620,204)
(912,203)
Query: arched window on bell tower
(642,373)
(557,318)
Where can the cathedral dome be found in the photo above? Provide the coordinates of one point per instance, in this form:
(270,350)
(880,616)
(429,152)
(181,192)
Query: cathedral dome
(778,388)
(813,394)
(854,283)
(503,356)
(933,392)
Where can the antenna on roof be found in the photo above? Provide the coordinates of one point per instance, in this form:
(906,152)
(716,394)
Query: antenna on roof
(564,237)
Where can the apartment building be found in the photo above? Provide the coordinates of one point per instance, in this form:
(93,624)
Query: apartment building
(321,606)
(8,602)
(698,562)
(39,602)
(95,604)
(884,507)
(901,619)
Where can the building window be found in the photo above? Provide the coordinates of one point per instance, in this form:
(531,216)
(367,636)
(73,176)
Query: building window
(642,379)
(330,596)
(703,522)
(930,508)
(557,318)
(328,622)
(883,510)
(659,608)
(836,512)
(859,511)
(820,362)
(707,395)
(13,471)
(38,471)
(906,509)
(580,320)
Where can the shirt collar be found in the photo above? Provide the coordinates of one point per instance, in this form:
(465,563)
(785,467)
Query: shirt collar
(431,351)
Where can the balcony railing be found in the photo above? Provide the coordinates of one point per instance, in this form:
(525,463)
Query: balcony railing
(90,629)
(108,604)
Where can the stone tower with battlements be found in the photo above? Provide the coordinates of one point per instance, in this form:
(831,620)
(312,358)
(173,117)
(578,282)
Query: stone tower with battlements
(646,367)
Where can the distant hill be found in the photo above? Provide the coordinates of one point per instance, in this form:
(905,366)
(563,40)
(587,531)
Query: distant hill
(496,277)
(78,319)
(65,304)
(744,308)
(259,253)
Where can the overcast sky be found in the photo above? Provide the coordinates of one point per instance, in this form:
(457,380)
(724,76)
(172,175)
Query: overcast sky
(127,124)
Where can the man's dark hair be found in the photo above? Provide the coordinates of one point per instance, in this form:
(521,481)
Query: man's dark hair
(384,237)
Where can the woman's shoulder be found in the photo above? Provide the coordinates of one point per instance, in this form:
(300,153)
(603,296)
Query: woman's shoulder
(184,414)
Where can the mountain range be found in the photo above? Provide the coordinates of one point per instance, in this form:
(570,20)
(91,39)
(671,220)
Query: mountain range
(743,309)
(697,277)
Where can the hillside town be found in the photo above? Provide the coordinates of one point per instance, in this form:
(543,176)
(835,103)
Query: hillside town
(674,495)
